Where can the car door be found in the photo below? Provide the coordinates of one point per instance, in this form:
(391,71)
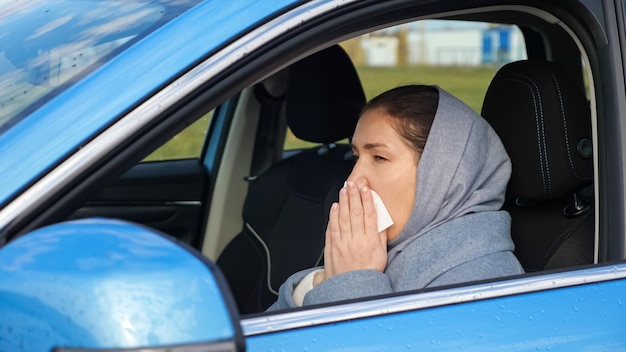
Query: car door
(551,312)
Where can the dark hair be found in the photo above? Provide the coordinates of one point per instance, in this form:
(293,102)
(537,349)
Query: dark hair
(412,109)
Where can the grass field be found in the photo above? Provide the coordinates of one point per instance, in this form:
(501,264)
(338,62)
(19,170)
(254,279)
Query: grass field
(467,83)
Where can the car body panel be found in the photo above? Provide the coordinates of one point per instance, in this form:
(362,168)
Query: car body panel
(66,123)
(591,316)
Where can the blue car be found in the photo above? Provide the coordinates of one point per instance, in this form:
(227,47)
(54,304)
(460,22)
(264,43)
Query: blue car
(166,164)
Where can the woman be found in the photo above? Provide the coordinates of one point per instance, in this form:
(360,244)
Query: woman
(441,172)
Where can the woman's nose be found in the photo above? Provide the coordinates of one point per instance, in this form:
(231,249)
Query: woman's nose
(357,176)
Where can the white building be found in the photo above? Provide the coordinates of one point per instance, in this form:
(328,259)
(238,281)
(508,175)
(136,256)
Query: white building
(447,46)
(380,51)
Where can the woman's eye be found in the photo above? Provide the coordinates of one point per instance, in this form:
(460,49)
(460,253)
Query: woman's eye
(379,158)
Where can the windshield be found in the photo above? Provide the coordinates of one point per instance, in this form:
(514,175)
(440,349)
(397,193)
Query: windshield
(46,46)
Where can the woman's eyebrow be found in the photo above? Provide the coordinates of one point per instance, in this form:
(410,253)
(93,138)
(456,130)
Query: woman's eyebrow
(367,146)
(374,145)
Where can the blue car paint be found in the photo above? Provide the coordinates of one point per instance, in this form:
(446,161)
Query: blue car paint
(45,137)
(105,284)
(587,317)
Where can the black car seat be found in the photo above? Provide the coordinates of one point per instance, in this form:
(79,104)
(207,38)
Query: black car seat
(286,208)
(543,119)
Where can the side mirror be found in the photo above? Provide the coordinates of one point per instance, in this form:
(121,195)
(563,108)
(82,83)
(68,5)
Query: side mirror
(105,284)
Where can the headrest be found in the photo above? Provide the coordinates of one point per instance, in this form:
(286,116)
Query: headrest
(324,96)
(543,119)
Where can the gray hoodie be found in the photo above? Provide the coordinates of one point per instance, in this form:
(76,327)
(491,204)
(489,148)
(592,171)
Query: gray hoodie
(456,232)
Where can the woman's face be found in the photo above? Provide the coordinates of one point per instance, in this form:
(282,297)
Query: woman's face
(385,164)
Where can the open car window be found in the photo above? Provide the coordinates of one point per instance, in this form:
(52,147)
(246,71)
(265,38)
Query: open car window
(462,57)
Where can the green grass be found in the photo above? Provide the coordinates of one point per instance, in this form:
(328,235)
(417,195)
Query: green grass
(185,145)
(467,83)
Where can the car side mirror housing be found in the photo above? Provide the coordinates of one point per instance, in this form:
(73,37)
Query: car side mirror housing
(98,284)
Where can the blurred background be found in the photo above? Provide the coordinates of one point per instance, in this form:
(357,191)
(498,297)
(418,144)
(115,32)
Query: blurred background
(460,56)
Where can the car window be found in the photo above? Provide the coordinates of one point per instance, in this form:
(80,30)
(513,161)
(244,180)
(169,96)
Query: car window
(187,144)
(36,62)
(461,56)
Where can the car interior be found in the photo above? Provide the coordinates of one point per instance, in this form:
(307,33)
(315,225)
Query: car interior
(286,234)
(260,211)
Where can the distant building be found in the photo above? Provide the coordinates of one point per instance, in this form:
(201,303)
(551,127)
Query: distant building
(446,46)
(380,51)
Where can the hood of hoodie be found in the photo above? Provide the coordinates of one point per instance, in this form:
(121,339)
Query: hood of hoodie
(463,169)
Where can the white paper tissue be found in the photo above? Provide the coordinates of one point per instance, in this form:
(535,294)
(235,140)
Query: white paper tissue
(384,219)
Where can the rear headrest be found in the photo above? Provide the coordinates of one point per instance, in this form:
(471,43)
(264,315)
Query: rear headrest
(324,96)
(543,119)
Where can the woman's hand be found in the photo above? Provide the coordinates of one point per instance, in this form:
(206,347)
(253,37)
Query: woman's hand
(352,238)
